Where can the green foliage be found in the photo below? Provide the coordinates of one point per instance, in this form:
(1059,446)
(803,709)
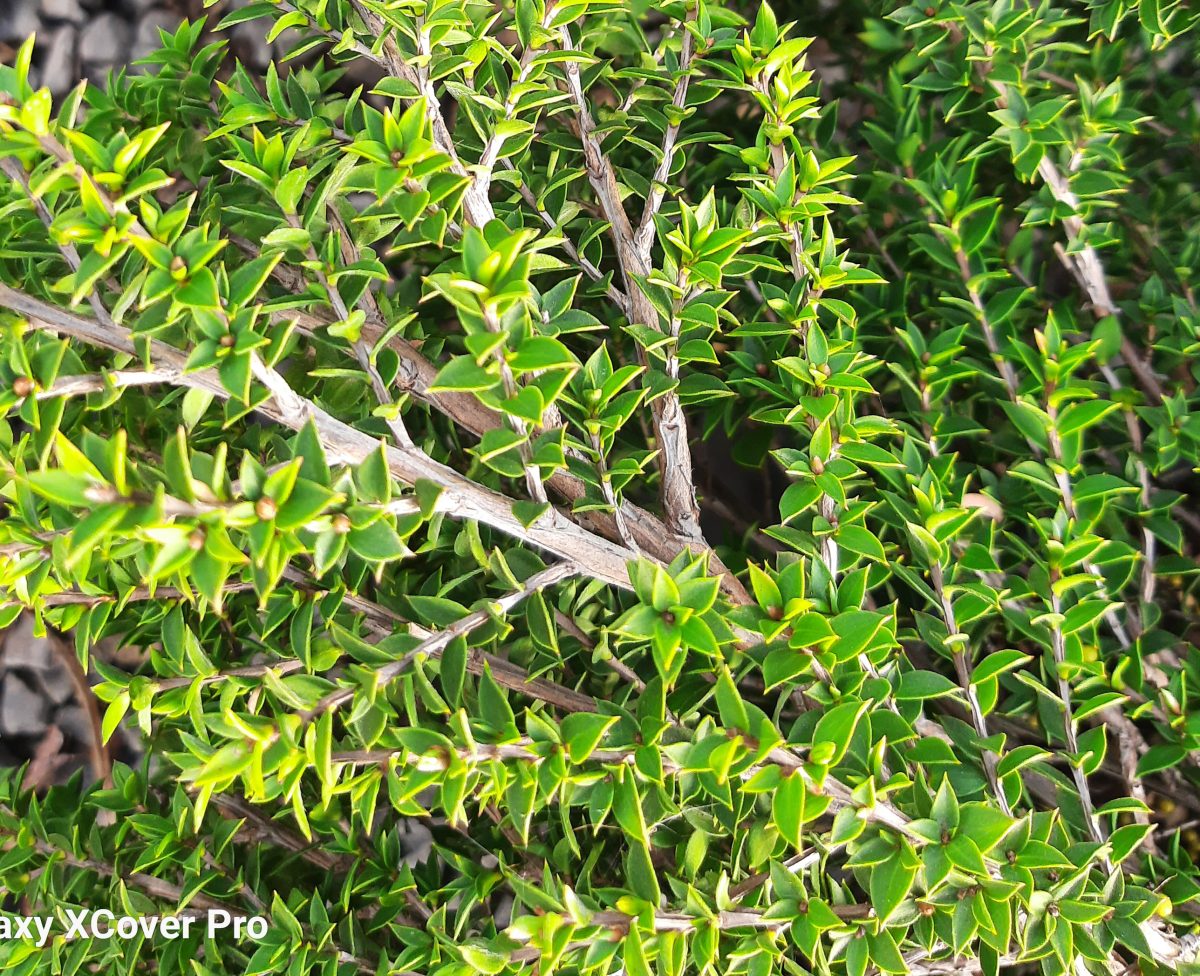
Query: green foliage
(734,490)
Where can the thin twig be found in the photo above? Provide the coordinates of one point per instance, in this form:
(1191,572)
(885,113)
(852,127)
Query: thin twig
(962,668)
(362,351)
(644,235)
(436,643)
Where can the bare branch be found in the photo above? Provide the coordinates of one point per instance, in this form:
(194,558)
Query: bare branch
(670,425)
(416,377)
(460,498)
(117,379)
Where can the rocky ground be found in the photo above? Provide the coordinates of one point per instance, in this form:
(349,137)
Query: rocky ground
(50,719)
(84,38)
(48,715)
(88,38)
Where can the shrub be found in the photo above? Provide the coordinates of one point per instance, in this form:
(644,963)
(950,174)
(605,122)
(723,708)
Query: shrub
(742,513)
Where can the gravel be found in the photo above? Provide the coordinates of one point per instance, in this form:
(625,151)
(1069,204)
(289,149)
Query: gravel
(416,842)
(18,19)
(40,713)
(56,685)
(70,10)
(105,42)
(24,651)
(84,38)
(42,717)
(22,708)
(89,38)
(146,41)
(75,725)
(58,70)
